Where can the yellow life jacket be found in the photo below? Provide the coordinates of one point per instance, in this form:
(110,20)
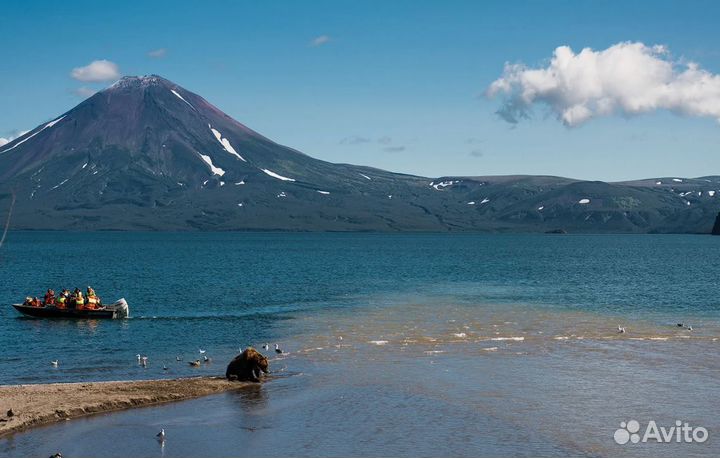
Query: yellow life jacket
(79,299)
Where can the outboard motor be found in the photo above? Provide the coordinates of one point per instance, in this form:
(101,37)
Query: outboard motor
(121,309)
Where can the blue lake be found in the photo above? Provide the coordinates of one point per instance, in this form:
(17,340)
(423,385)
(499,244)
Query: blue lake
(411,345)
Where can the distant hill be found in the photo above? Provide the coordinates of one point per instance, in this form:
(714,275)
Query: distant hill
(146,154)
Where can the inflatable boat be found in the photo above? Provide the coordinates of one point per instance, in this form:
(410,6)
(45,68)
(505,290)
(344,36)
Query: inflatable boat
(115,310)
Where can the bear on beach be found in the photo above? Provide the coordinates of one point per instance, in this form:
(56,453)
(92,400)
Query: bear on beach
(247,366)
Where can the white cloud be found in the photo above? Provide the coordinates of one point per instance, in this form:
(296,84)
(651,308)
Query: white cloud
(157,53)
(319,41)
(626,79)
(354,140)
(97,71)
(84,92)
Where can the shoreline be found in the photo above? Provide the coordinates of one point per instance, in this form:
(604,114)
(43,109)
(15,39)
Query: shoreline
(45,403)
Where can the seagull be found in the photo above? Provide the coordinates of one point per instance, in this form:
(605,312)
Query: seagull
(54,363)
(144,361)
(266,346)
(680,325)
(195,363)
(56,455)
(205,358)
(689,328)
(621,330)
(165,367)
(277,349)
(138,357)
(161,435)
(178,358)
(202,352)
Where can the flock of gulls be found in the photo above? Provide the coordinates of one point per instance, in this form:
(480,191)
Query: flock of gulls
(621,329)
(143,361)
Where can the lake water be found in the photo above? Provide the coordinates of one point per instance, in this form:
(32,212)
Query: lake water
(402,345)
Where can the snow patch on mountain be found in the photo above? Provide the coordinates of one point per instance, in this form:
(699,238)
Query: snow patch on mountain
(46,126)
(60,184)
(213,169)
(443,184)
(225,143)
(181,98)
(275,175)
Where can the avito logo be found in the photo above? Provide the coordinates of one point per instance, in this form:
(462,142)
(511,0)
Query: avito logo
(680,433)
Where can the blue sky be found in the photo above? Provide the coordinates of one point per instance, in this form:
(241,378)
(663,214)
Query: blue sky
(397,85)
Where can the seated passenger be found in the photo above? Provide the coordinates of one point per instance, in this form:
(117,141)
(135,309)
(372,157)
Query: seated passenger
(49,298)
(61,301)
(92,299)
(36,302)
(28,301)
(79,300)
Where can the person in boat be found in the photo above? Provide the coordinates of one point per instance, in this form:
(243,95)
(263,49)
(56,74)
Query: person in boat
(93,302)
(61,301)
(28,301)
(36,302)
(79,299)
(49,298)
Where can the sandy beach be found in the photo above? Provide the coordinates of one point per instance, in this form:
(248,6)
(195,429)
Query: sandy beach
(40,404)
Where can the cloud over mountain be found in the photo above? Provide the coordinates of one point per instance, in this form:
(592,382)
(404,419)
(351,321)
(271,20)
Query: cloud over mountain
(625,79)
(97,71)
(157,53)
(319,41)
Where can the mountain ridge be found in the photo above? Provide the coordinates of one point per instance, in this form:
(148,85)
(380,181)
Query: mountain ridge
(147,154)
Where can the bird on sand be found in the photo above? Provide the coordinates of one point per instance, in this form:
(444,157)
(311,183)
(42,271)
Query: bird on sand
(195,363)
(161,435)
(277,349)
(54,363)
(621,330)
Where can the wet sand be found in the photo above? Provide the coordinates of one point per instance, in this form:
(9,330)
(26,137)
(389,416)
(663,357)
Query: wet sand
(41,404)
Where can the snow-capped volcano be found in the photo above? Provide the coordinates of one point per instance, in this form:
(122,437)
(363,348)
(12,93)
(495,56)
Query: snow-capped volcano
(147,154)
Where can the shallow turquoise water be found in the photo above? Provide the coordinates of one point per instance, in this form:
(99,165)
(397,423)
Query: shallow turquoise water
(452,344)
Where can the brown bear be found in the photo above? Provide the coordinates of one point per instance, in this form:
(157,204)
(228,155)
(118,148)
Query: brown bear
(247,366)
